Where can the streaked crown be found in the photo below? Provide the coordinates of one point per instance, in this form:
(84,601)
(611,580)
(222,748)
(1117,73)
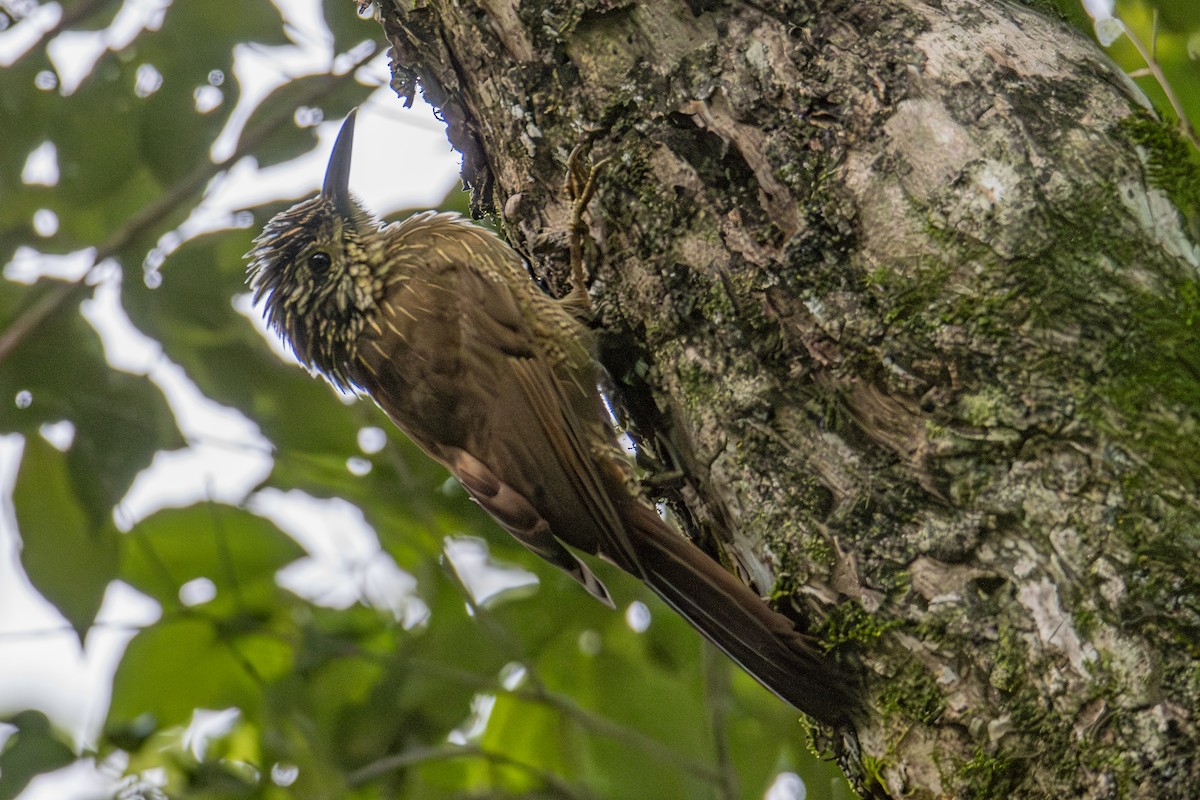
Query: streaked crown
(311,268)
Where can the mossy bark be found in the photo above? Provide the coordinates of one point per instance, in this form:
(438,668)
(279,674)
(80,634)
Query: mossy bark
(911,291)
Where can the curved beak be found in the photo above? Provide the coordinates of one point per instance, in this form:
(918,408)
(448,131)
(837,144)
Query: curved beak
(337,174)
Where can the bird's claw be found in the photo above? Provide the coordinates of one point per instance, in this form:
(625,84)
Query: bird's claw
(580,181)
(580,186)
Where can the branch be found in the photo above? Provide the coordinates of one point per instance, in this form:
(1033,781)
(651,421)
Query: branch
(425,755)
(716,674)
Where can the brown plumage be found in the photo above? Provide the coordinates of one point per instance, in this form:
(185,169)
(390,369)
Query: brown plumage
(437,320)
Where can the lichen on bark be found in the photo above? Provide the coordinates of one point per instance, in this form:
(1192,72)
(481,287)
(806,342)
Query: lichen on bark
(917,285)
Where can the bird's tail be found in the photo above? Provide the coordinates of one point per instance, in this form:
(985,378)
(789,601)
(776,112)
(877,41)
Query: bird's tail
(762,641)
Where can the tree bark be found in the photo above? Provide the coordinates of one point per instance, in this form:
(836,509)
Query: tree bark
(910,291)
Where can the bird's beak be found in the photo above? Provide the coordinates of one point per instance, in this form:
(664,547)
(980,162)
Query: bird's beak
(337,174)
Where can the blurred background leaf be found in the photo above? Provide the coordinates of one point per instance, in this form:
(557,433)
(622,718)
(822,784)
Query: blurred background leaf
(68,554)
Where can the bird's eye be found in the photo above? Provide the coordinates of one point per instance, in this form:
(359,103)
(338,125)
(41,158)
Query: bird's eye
(319,263)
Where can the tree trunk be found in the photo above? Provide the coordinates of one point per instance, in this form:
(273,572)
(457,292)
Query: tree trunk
(908,284)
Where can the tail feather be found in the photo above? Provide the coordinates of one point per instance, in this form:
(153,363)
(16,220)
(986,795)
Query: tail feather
(762,641)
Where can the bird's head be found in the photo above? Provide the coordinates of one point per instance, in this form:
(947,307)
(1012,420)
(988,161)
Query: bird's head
(316,269)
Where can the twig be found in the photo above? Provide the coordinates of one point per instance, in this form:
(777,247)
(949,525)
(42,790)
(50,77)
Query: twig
(633,738)
(716,675)
(425,755)
(600,726)
(36,314)
(1185,125)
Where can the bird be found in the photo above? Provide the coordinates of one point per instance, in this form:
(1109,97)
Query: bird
(439,322)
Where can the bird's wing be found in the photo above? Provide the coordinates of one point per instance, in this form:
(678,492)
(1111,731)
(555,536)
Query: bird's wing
(517,515)
(437,378)
(556,389)
(578,462)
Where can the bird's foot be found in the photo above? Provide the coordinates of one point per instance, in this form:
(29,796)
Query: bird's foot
(580,186)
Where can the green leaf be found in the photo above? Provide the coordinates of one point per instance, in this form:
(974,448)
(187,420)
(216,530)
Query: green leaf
(173,135)
(34,749)
(215,654)
(102,182)
(24,111)
(67,556)
(184,663)
(236,550)
(120,420)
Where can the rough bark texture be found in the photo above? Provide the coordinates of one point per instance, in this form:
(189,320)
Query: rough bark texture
(908,281)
